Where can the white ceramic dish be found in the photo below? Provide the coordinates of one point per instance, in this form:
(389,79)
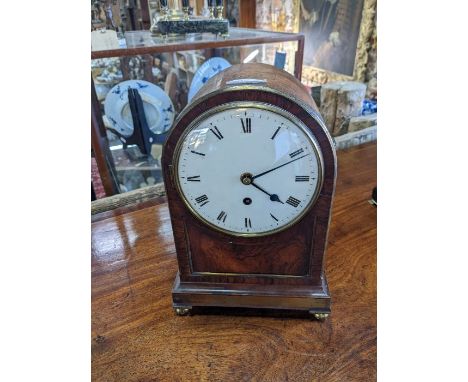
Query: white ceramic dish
(209,68)
(159,110)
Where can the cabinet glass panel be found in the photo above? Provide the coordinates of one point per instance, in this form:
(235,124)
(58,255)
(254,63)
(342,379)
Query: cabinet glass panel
(162,71)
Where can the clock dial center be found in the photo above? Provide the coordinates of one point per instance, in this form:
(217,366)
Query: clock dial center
(246,178)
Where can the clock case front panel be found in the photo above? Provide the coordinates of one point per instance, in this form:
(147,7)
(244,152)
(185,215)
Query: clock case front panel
(283,270)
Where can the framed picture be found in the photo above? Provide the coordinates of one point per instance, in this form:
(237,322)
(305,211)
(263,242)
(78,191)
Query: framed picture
(336,32)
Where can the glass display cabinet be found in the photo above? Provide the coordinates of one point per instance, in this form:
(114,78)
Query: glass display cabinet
(163,70)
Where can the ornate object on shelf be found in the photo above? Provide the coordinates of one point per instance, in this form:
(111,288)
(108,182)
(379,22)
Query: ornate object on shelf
(105,14)
(278,15)
(97,14)
(193,25)
(219,9)
(249,170)
(173,22)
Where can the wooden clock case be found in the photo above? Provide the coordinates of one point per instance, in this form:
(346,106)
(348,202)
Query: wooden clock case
(284,270)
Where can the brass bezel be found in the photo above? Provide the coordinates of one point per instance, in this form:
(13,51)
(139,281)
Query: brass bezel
(257,105)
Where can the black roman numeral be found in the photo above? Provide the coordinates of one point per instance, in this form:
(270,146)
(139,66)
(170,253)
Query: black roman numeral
(222,216)
(296,153)
(202,200)
(273,216)
(302,178)
(293,201)
(276,132)
(247,125)
(217,133)
(248,223)
(195,178)
(196,152)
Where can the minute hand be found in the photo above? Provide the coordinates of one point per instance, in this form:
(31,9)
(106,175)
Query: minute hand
(277,167)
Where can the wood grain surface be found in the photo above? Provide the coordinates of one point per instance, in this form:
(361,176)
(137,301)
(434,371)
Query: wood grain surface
(137,337)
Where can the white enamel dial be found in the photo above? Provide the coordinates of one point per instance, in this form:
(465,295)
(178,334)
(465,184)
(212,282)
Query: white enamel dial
(248,170)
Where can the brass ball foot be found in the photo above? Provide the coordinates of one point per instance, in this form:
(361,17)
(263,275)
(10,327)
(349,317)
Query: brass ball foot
(182,311)
(321,316)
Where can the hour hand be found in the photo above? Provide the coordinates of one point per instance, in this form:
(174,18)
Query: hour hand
(273,197)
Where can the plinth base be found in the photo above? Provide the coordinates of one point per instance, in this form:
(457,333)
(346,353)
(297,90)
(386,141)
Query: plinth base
(313,299)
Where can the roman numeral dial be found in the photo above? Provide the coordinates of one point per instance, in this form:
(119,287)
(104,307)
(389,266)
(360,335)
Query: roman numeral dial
(195,178)
(216,132)
(292,201)
(222,216)
(246,125)
(247,171)
(196,152)
(276,132)
(202,200)
(296,153)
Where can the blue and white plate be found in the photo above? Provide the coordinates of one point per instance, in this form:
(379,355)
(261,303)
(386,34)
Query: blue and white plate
(159,110)
(209,69)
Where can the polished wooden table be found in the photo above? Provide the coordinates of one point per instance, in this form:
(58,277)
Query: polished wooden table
(137,337)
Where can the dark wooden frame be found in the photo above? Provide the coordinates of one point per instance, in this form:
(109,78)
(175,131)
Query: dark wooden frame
(99,142)
(247,13)
(145,14)
(100,147)
(286,271)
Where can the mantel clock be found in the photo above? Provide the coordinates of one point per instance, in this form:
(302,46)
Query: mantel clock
(249,169)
